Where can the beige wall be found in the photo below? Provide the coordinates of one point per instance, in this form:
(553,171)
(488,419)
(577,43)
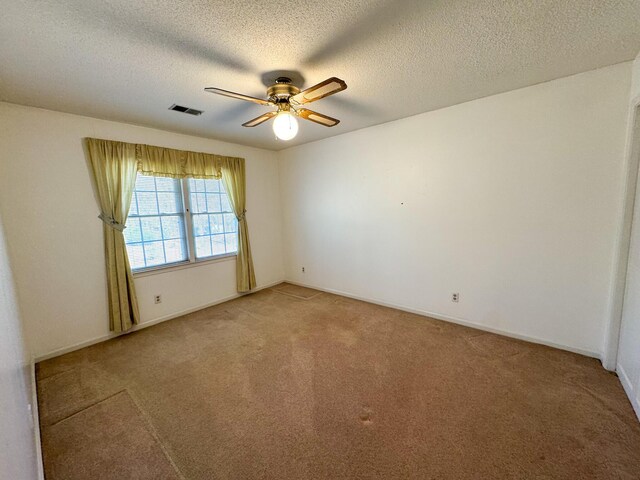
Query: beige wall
(55,237)
(18,457)
(628,360)
(511,201)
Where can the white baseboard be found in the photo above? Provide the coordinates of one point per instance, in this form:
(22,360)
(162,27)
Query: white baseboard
(628,388)
(35,415)
(456,320)
(437,316)
(148,323)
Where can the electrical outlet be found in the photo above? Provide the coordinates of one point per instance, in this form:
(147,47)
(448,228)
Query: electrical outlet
(455,297)
(302,269)
(158,299)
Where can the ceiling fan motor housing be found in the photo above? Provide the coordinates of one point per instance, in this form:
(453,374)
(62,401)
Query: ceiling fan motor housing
(280,91)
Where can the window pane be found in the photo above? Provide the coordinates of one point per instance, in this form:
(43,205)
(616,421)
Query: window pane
(231,242)
(218,244)
(151,228)
(147,203)
(213,202)
(172,227)
(217,224)
(155,233)
(169,202)
(200,225)
(203,247)
(132,233)
(175,250)
(154,253)
(136,256)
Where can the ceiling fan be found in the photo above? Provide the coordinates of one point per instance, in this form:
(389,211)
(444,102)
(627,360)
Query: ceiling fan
(288,99)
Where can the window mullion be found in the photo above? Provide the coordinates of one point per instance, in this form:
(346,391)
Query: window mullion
(188,221)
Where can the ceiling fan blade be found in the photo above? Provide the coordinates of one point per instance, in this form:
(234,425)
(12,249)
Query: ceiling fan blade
(318,117)
(323,89)
(261,119)
(239,96)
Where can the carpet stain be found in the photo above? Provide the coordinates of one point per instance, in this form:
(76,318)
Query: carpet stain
(366,417)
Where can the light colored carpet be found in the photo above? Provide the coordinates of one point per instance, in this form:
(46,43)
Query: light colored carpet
(112,441)
(271,386)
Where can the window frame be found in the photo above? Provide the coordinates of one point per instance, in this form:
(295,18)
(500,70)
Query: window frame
(192,260)
(192,239)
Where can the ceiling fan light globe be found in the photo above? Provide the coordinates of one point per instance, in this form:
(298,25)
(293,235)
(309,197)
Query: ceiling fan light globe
(285,126)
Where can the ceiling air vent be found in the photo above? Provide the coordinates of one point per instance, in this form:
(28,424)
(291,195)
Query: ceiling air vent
(190,111)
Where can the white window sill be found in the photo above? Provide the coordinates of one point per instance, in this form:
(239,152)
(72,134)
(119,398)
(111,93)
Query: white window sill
(181,266)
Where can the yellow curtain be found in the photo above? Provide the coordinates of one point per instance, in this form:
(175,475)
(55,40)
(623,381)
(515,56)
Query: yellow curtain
(114,166)
(233,177)
(168,162)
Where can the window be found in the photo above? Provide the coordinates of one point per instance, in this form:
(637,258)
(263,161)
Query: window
(215,226)
(155,233)
(159,233)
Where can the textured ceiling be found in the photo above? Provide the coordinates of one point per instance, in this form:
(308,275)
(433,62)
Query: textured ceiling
(129,61)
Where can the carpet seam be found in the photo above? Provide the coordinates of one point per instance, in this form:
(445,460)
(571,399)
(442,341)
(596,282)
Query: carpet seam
(145,420)
(86,408)
(53,375)
(154,433)
(297,296)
